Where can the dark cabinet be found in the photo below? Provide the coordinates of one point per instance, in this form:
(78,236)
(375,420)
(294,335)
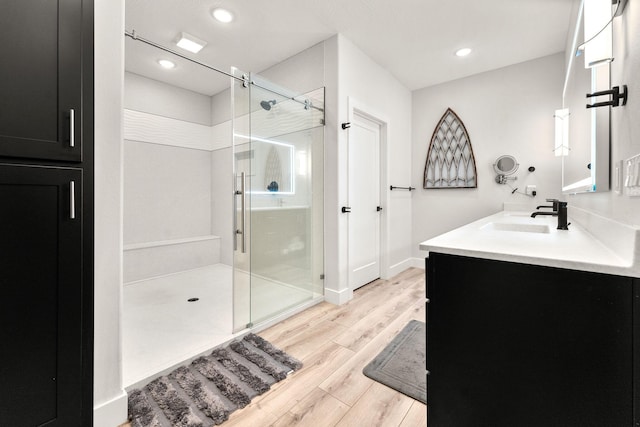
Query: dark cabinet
(46,213)
(41,106)
(40,309)
(521,345)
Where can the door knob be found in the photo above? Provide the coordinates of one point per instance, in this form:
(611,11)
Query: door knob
(346,209)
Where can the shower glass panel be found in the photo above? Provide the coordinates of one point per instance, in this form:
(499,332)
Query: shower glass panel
(278,162)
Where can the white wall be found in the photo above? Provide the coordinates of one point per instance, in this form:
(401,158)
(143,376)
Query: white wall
(110,401)
(167,192)
(300,73)
(222,199)
(167,181)
(167,189)
(506,111)
(145,94)
(625,121)
(360,79)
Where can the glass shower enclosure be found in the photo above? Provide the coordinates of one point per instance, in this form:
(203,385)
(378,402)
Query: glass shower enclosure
(278,150)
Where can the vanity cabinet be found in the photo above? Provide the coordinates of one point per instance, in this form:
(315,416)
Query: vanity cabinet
(41,75)
(512,344)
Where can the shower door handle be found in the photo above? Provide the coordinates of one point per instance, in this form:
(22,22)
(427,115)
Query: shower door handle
(240,231)
(235,212)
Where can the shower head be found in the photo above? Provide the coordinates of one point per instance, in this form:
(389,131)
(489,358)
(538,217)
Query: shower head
(267,104)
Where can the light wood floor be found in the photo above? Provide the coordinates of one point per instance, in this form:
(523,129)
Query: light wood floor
(335,343)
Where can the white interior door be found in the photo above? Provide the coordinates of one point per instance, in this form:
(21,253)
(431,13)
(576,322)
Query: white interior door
(364,201)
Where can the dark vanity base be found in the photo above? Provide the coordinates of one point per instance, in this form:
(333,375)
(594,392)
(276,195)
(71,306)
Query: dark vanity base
(521,345)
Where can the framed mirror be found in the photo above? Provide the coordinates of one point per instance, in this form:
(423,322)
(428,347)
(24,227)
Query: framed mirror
(586,154)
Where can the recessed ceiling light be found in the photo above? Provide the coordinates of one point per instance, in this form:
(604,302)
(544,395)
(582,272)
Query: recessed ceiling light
(463,52)
(190,43)
(222,15)
(165,63)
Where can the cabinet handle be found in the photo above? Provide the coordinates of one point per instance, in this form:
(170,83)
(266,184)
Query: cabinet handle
(72,200)
(72,127)
(428,300)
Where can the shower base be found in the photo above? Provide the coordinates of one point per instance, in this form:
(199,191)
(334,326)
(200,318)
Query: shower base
(162,329)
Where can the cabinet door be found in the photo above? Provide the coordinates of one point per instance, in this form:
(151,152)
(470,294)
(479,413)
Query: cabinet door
(41,79)
(522,345)
(41,306)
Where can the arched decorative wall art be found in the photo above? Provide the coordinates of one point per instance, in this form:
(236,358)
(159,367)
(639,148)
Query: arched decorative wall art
(450,161)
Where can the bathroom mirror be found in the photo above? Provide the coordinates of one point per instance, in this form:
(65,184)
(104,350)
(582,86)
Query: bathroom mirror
(272,170)
(505,165)
(585,166)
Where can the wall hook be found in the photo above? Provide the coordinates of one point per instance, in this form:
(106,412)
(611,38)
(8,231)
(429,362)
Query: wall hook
(616,96)
(346,125)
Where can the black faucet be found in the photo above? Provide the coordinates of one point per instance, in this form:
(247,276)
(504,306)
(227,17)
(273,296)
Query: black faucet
(554,206)
(560,212)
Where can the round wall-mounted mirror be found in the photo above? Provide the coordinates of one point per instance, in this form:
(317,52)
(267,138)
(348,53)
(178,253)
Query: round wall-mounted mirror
(505,165)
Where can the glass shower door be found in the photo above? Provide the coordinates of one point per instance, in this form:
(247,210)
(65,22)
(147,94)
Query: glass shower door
(278,160)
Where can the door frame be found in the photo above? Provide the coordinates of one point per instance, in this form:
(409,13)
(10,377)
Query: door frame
(356,107)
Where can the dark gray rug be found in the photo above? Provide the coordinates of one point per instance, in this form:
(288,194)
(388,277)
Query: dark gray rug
(402,365)
(204,393)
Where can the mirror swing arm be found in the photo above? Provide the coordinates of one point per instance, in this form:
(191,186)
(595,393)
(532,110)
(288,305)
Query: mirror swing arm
(616,97)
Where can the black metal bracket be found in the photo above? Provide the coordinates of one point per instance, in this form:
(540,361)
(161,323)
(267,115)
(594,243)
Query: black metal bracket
(616,97)
(346,209)
(393,187)
(346,125)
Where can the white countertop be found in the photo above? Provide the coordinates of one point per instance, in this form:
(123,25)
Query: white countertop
(509,236)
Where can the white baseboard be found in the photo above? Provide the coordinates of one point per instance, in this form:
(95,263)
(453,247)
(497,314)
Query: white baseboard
(401,266)
(417,263)
(338,297)
(111,413)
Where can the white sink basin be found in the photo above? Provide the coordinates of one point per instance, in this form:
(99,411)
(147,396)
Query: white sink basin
(518,227)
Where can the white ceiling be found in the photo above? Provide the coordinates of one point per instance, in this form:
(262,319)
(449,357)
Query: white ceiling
(414,39)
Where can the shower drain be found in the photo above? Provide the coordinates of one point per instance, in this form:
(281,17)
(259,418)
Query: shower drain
(193,299)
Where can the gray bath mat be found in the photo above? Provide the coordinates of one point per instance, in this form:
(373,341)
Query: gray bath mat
(402,364)
(204,393)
